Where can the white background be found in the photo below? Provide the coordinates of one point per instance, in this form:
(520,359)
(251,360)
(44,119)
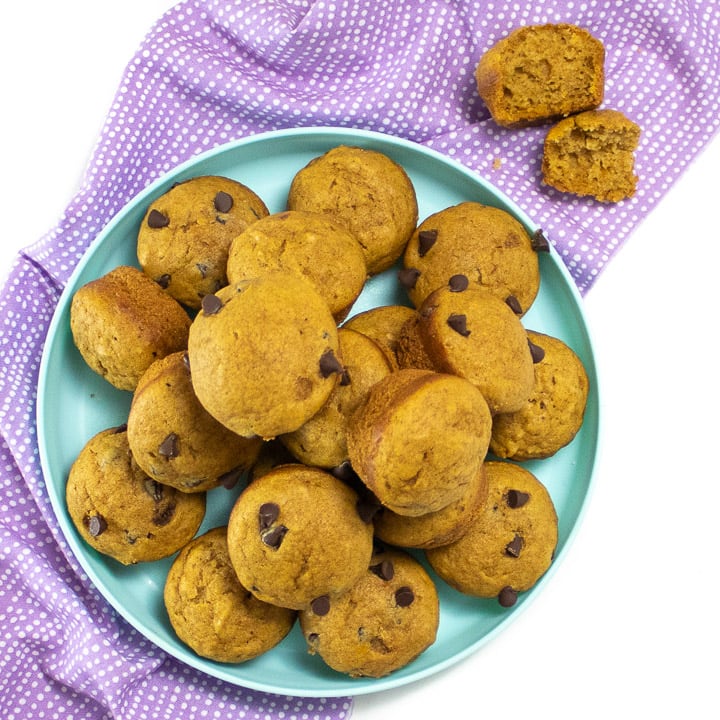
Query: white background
(628,625)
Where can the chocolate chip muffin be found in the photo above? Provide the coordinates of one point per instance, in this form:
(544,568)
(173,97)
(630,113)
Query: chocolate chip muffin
(175,440)
(436,528)
(511,542)
(309,244)
(121,512)
(212,612)
(485,244)
(184,237)
(264,354)
(382,623)
(322,440)
(296,538)
(383,324)
(419,440)
(122,322)
(554,412)
(365,191)
(468,331)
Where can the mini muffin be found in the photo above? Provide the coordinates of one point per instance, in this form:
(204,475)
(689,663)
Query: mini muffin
(468,331)
(121,512)
(386,620)
(485,244)
(122,322)
(309,244)
(295,537)
(365,191)
(383,324)
(174,439)
(435,528)
(593,154)
(322,440)
(212,612)
(184,237)
(264,354)
(419,440)
(555,410)
(509,545)
(539,73)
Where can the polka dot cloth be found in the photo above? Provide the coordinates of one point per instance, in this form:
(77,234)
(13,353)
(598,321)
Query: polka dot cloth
(209,72)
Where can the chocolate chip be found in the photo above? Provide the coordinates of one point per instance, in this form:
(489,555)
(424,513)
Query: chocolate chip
(408,277)
(154,489)
(514,304)
(202,269)
(157,220)
(268,514)
(536,351)
(220,220)
(507,596)
(231,478)
(426,239)
(345,378)
(313,639)
(321,605)
(345,472)
(169,447)
(329,364)
(459,324)
(404,596)
(516,499)
(367,508)
(211,304)
(273,538)
(223,202)
(458,283)
(164,281)
(96,525)
(385,570)
(514,547)
(164,515)
(540,242)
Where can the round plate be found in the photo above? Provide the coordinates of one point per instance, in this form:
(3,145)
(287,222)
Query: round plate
(69,389)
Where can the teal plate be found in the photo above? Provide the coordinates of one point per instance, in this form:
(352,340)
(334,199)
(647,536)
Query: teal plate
(68,389)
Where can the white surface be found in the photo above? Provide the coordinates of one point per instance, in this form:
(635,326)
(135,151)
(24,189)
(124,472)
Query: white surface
(628,622)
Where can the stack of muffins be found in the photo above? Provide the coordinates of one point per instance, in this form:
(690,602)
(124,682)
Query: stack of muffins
(378,454)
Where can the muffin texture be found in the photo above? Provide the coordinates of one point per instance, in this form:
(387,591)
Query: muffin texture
(322,440)
(419,440)
(469,332)
(486,245)
(174,439)
(365,191)
(296,538)
(592,154)
(382,623)
(184,237)
(264,354)
(540,73)
(212,612)
(509,545)
(309,244)
(121,512)
(122,322)
(555,409)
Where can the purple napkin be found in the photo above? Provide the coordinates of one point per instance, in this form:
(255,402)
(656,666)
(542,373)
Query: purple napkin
(209,72)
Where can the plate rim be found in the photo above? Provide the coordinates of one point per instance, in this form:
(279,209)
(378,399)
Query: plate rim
(337,135)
